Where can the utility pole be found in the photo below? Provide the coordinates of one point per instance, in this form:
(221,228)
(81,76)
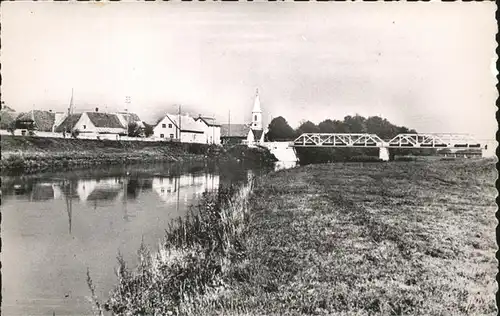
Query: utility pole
(229,132)
(127,101)
(180,124)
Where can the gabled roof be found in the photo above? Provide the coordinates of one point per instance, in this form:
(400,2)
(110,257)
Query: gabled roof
(69,123)
(187,123)
(43,120)
(106,120)
(234,130)
(209,121)
(132,117)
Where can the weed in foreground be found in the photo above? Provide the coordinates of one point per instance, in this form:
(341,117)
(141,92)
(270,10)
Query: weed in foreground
(191,263)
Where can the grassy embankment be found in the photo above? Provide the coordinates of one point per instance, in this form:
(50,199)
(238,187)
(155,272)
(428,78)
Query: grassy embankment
(346,239)
(34,154)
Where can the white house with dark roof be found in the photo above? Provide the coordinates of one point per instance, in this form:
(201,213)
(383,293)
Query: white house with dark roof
(180,127)
(211,128)
(92,123)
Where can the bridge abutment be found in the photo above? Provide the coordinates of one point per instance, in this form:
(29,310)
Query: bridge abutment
(383,153)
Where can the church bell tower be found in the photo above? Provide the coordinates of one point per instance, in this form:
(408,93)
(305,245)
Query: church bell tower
(256,113)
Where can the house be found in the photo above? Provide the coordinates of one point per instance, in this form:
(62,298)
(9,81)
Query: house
(249,134)
(37,120)
(92,123)
(183,128)
(234,133)
(211,129)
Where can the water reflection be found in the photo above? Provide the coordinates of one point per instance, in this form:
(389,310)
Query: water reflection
(56,225)
(112,189)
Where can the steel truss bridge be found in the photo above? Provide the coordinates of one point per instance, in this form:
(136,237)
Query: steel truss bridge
(401,140)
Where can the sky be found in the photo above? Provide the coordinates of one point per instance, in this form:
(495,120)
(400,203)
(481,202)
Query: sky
(427,66)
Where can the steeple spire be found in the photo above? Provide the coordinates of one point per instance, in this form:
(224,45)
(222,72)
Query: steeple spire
(256,113)
(256,104)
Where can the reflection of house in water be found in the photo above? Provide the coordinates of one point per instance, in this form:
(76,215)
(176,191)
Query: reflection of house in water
(99,190)
(184,187)
(45,191)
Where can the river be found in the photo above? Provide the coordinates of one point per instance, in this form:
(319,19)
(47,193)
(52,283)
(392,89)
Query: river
(56,225)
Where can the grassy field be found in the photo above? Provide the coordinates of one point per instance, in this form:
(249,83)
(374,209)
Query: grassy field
(400,238)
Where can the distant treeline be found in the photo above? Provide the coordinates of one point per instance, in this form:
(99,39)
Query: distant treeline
(280,130)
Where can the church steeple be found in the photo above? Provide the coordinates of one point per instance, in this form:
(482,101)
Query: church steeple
(256,113)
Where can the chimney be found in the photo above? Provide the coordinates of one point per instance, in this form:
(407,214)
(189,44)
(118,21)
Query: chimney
(97,109)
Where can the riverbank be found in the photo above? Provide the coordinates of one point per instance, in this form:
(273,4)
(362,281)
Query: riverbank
(21,154)
(398,238)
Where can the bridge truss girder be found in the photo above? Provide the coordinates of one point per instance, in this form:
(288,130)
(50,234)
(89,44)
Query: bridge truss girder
(366,140)
(434,141)
(338,140)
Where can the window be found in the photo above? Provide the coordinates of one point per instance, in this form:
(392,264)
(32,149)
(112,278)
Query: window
(255,117)
(162,135)
(163,125)
(169,125)
(84,126)
(171,135)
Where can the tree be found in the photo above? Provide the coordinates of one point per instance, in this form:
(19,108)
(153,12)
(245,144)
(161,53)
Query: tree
(148,130)
(134,130)
(279,130)
(329,126)
(307,127)
(12,127)
(355,124)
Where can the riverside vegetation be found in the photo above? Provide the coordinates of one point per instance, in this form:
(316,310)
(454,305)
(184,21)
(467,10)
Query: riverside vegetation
(34,154)
(398,238)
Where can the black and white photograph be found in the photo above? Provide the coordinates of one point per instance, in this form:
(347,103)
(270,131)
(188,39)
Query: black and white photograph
(248,158)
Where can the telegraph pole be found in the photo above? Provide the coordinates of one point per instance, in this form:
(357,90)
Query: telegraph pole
(180,124)
(127,102)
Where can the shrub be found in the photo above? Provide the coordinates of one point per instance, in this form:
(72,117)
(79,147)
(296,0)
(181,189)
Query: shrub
(365,159)
(15,162)
(405,158)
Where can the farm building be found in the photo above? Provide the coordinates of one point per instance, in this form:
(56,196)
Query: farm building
(37,120)
(92,123)
(211,129)
(234,133)
(180,127)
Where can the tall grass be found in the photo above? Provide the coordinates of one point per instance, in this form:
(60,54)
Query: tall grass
(192,260)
